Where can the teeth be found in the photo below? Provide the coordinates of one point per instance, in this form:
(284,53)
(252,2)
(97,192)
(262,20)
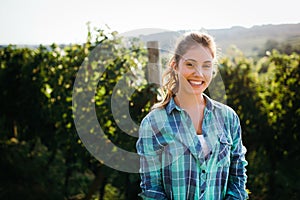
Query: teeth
(196,82)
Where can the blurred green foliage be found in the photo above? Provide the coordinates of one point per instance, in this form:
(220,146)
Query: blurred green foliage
(42,157)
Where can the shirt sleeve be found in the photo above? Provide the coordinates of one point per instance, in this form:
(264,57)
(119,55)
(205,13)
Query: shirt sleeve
(237,174)
(149,150)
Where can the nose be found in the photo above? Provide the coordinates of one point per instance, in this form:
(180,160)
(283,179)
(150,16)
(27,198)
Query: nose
(198,70)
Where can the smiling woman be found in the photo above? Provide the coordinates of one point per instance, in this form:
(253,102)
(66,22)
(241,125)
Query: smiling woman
(194,56)
(195,69)
(205,69)
(190,146)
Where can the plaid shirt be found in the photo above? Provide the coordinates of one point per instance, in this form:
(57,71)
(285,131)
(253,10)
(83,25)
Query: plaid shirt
(173,165)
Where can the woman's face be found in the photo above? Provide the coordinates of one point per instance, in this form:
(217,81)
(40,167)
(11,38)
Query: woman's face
(195,70)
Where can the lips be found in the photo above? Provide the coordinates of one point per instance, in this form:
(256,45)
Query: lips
(196,83)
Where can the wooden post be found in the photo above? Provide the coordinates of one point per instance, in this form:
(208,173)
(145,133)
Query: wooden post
(153,71)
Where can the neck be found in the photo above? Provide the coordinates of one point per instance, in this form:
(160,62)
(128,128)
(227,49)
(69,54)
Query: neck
(189,100)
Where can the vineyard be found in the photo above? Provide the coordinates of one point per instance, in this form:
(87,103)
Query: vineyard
(43,157)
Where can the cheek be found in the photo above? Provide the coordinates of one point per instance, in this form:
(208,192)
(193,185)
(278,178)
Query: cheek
(185,72)
(209,77)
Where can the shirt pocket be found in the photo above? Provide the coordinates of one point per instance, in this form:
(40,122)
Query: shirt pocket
(224,152)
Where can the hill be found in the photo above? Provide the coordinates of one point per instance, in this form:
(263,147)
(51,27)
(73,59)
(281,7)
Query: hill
(248,40)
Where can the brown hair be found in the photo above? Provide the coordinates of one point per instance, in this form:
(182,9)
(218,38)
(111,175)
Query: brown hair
(170,78)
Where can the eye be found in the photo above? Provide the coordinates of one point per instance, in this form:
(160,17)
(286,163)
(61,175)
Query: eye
(207,66)
(190,64)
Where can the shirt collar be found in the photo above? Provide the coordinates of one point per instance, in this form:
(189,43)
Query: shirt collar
(172,105)
(210,104)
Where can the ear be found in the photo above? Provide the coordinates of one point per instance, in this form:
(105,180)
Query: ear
(215,70)
(173,65)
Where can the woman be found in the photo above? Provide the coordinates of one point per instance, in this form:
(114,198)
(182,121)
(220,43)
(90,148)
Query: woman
(190,146)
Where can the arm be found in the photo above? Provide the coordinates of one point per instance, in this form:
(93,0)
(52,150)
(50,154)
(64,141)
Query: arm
(237,173)
(149,149)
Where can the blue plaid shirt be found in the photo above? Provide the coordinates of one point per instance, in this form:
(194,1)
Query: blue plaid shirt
(173,165)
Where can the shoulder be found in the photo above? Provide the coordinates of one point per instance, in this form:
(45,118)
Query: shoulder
(150,129)
(155,116)
(223,112)
(224,109)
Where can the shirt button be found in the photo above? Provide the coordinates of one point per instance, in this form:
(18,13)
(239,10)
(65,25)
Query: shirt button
(202,191)
(203,171)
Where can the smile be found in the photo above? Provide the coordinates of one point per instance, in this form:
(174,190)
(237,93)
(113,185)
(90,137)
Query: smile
(196,83)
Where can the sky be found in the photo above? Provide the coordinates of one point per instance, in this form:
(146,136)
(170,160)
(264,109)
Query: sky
(65,21)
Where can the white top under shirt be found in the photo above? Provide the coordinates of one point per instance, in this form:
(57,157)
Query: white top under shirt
(203,145)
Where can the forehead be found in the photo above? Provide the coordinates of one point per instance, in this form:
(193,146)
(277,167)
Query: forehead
(198,53)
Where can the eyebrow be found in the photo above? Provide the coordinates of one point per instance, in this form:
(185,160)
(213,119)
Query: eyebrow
(191,59)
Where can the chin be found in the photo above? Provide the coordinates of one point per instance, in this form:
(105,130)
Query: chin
(188,89)
(197,92)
